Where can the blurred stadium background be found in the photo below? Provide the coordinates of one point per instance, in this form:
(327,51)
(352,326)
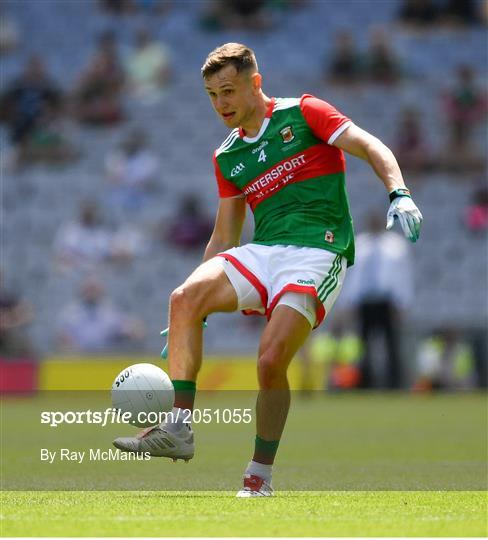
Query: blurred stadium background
(67,142)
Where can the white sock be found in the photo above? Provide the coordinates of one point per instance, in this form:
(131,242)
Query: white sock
(177,419)
(260,469)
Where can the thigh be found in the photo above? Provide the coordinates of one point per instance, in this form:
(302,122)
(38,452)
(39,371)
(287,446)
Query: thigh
(209,286)
(286,331)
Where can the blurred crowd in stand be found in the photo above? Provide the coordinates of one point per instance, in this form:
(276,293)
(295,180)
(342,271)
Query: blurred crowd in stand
(379,64)
(35,108)
(428,14)
(463,105)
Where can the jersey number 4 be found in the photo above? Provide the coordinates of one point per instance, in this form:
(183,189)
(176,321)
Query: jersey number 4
(262,156)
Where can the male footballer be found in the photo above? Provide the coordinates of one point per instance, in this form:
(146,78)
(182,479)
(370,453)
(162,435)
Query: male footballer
(284,158)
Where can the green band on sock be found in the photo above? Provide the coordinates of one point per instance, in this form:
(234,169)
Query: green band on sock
(185,394)
(265,451)
(185,385)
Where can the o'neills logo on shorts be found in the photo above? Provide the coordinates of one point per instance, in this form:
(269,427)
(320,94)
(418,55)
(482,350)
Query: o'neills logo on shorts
(329,237)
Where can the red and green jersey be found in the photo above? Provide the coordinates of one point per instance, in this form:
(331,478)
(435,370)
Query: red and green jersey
(291,175)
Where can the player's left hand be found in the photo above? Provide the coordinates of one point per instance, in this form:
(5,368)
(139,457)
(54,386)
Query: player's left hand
(409,216)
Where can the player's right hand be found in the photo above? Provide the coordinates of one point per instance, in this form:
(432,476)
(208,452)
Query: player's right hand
(409,216)
(165,332)
(164,352)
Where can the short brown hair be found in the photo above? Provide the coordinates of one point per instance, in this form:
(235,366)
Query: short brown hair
(240,56)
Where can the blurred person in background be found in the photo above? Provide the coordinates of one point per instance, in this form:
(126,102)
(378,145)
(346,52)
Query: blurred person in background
(380,290)
(93,324)
(190,228)
(476,213)
(84,241)
(338,352)
(117,7)
(26,104)
(465,107)
(97,95)
(148,69)
(128,242)
(156,7)
(459,13)
(48,142)
(126,7)
(445,361)
(9,33)
(88,241)
(15,316)
(346,65)
(411,146)
(132,170)
(451,13)
(382,66)
(419,13)
(223,15)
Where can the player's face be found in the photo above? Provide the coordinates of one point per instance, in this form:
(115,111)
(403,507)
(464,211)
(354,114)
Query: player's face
(233,95)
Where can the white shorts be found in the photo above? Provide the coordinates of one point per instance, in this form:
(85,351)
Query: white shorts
(306,279)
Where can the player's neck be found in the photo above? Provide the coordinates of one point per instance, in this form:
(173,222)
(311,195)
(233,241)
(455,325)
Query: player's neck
(252,125)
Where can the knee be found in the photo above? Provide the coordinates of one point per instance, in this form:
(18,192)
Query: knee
(272,366)
(187,300)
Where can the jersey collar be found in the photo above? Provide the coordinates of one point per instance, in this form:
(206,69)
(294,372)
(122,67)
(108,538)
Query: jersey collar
(264,125)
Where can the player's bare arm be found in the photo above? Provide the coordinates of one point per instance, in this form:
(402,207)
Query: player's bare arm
(361,144)
(231,214)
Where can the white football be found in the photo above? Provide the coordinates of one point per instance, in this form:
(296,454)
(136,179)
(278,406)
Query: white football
(144,390)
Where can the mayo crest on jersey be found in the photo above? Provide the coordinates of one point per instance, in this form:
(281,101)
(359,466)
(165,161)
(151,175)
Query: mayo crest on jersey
(291,176)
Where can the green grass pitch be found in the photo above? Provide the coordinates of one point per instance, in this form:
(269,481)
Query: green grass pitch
(348,465)
(220,514)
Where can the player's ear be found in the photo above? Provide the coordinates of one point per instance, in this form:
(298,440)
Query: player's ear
(256,81)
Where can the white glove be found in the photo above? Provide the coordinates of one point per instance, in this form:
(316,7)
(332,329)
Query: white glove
(409,216)
(165,333)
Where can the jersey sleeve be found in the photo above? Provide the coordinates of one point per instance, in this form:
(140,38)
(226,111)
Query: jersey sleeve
(325,121)
(226,188)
